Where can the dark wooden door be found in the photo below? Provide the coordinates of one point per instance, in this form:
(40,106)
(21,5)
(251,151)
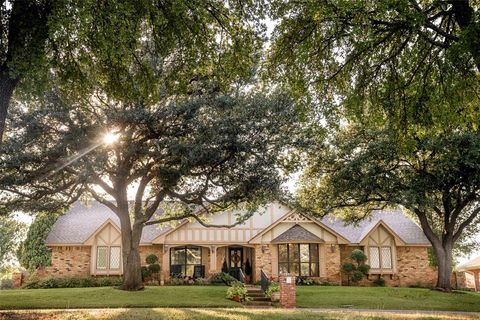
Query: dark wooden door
(235,259)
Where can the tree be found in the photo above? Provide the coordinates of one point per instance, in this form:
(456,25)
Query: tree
(11,233)
(205,154)
(437,179)
(24,34)
(415,62)
(356,271)
(32,252)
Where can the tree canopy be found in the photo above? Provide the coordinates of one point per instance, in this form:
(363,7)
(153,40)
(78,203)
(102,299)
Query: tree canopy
(415,62)
(11,234)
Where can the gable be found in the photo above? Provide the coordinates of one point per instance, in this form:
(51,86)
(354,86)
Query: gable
(107,235)
(380,236)
(193,232)
(290,220)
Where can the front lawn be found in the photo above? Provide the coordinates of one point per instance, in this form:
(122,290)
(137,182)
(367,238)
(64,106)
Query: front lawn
(219,314)
(386,298)
(106,297)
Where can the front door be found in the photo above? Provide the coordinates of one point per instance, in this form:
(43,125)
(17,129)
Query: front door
(235,258)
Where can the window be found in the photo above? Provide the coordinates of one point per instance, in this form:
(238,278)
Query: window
(380,257)
(298,259)
(184,259)
(108,257)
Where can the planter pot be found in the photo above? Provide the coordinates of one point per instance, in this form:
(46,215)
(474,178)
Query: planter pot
(236,298)
(248,279)
(275,296)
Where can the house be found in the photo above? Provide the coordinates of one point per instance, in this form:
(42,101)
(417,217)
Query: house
(87,241)
(471,274)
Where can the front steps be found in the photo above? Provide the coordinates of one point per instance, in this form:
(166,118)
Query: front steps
(257,298)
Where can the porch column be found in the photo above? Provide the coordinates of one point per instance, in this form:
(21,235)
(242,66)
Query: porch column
(166,262)
(213,260)
(476,275)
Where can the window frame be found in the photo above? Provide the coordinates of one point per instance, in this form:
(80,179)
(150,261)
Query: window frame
(186,264)
(290,261)
(380,259)
(108,268)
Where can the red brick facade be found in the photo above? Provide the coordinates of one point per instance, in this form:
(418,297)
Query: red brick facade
(288,291)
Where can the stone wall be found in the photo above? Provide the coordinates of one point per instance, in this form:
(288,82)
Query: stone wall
(413,268)
(156,249)
(263,260)
(68,261)
(333,264)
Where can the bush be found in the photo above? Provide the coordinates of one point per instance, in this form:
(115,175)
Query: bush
(364,268)
(177,281)
(379,282)
(74,283)
(6,283)
(348,267)
(356,271)
(151,259)
(305,281)
(154,268)
(201,281)
(222,277)
(146,273)
(274,287)
(237,292)
(358,256)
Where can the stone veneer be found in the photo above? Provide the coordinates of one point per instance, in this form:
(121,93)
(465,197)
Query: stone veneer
(332,265)
(412,268)
(263,260)
(68,261)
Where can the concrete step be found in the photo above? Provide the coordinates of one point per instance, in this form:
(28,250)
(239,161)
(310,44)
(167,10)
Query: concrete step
(255,290)
(258,303)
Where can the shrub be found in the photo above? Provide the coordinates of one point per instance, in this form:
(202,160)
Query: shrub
(274,287)
(237,292)
(356,271)
(379,282)
(151,259)
(74,283)
(146,273)
(201,281)
(305,281)
(154,268)
(222,277)
(177,281)
(6,283)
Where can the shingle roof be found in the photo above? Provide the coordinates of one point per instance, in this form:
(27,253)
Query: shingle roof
(297,233)
(473,264)
(403,226)
(81,221)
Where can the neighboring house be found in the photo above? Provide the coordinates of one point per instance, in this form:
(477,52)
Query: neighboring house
(471,270)
(87,241)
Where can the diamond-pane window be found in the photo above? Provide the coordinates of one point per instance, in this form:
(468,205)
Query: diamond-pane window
(102,257)
(374,257)
(115,257)
(386,258)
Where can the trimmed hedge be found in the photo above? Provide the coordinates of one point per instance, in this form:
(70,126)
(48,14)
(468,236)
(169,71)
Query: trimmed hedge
(74,283)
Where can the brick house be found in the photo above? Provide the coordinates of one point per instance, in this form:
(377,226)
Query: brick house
(86,241)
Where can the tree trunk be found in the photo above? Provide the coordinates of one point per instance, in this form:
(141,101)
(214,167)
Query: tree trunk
(7,85)
(132,273)
(444,261)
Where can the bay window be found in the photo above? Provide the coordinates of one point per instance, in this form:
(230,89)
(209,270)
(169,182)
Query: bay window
(300,259)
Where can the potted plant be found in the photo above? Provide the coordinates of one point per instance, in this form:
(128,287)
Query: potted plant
(273,292)
(237,292)
(248,271)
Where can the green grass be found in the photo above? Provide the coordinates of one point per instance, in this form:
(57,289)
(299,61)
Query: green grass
(386,298)
(105,297)
(214,314)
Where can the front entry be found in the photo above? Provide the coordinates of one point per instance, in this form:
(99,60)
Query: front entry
(235,259)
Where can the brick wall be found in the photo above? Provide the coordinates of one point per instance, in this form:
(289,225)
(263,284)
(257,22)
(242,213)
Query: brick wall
(156,249)
(263,260)
(69,261)
(288,291)
(333,264)
(412,268)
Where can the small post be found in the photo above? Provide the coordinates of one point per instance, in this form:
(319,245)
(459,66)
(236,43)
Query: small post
(288,291)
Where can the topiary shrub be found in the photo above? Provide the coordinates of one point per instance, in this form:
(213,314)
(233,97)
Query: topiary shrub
(357,270)
(154,268)
(151,259)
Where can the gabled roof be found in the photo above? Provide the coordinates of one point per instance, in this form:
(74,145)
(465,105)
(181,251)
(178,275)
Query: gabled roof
(297,233)
(79,223)
(402,226)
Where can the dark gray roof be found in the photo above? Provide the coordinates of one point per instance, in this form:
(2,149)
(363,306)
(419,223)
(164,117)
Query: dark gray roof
(81,221)
(297,233)
(396,220)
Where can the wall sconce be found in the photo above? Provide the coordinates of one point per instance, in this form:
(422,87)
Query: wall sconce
(333,248)
(264,248)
